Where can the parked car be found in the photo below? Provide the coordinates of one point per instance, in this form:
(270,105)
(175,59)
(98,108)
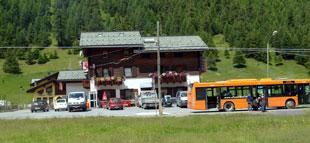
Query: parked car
(181,98)
(77,100)
(39,106)
(61,104)
(115,103)
(167,102)
(148,99)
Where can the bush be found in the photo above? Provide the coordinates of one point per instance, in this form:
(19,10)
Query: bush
(54,55)
(69,52)
(30,60)
(43,59)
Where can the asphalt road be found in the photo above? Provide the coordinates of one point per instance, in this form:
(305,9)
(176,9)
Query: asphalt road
(138,112)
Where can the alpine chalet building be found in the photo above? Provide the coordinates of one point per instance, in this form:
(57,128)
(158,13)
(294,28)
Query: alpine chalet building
(121,64)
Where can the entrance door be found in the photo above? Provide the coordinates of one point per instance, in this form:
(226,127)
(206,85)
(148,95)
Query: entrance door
(307,94)
(93,99)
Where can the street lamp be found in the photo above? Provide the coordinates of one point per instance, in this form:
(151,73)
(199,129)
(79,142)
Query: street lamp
(268,46)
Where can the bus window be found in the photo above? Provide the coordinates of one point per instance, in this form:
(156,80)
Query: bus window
(230,92)
(210,91)
(246,91)
(289,90)
(201,93)
(276,90)
(238,91)
(260,91)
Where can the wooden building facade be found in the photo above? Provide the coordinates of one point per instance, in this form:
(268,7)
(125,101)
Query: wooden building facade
(121,64)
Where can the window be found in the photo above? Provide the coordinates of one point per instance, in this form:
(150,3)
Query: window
(178,55)
(246,91)
(200,93)
(146,55)
(276,90)
(106,72)
(126,53)
(289,90)
(49,90)
(127,94)
(128,72)
(231,92)
(307,89)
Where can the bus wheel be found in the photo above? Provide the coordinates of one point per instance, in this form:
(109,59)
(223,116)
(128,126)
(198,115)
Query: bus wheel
(229,106)
(290,104)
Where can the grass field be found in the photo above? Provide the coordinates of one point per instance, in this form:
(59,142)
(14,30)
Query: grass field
(237,128)
(13,87)
(254,69)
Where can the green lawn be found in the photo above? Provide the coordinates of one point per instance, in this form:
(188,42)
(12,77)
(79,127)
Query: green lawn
(254,68)
(13,87)
(237,128)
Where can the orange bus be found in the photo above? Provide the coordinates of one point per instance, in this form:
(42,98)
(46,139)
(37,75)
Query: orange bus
(232,94)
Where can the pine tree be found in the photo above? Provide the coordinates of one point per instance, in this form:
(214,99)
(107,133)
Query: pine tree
(43,59)
(36,53)
(278,60)
(239,60)
(226,54)
(11,64)
(30,60)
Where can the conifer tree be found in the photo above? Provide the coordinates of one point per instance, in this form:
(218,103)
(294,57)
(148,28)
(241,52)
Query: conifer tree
(11,64)
(239,60)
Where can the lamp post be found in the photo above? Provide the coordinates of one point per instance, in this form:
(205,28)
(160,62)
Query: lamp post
(160,108)
(268,46)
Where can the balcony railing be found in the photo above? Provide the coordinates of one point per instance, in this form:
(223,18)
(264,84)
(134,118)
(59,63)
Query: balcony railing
(110,80)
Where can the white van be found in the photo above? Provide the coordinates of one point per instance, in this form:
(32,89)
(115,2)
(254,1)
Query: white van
(77,100)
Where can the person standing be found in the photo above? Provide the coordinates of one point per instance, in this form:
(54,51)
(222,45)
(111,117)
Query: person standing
(263,104)
(250,102)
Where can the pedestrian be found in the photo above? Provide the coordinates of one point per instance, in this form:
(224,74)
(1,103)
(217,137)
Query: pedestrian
(250,102)
(263,104)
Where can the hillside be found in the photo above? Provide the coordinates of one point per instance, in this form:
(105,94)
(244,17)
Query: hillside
(13,87)
(254,69)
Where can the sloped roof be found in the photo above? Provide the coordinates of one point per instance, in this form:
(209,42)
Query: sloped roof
(172,43)
(71,75)
(111,39)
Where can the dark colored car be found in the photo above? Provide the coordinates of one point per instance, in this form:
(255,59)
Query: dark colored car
(115,103)
(39,106)
(167,102)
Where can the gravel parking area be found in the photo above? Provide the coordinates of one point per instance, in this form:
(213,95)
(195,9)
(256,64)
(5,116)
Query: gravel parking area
(138,112)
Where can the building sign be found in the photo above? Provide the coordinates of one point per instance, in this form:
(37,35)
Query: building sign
(85,66)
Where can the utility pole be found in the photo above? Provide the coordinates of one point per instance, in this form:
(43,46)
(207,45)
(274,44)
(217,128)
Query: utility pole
(160,108)
(268,59)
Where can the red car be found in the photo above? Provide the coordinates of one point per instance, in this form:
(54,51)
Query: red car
(115,103)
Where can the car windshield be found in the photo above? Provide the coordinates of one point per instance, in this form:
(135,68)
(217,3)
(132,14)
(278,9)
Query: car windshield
(116,100)
(76,95)
(168,98)
(61,101)
(183,94)
(35,103)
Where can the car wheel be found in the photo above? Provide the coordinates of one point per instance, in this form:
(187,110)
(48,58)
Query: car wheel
(31,111)
(70,110)
(290,104)
(229,106)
